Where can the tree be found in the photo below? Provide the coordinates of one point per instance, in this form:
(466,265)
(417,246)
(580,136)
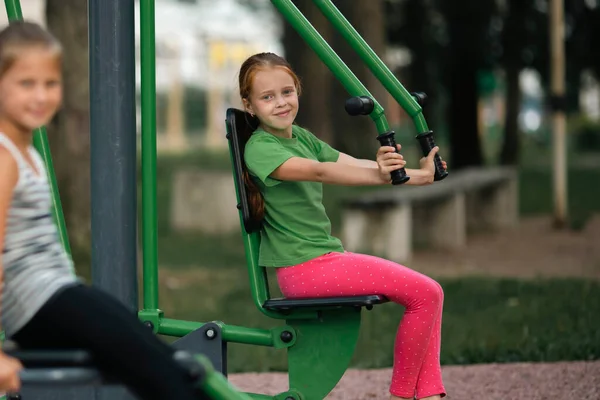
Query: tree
(516,38)
(410,23)
(467,29)
(69,132)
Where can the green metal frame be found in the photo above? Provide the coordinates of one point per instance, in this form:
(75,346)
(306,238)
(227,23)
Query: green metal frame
(324,340)
(374,63)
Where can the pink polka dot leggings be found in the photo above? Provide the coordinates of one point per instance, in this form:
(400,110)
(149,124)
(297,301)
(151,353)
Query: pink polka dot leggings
(416,371)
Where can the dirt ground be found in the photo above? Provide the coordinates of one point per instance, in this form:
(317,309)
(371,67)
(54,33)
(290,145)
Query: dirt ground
(532,250)
(568,380)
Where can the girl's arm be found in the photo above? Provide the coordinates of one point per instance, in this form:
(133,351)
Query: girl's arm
(387,157)
(303,169)
(349,160)
(8,181)
(9,367)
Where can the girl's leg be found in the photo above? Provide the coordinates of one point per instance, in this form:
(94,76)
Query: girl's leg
(87,318)
(428,383)
(351,274)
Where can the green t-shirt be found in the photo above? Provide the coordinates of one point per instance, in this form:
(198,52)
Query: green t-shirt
(296,226)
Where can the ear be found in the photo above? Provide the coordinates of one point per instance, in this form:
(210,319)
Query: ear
(248,106)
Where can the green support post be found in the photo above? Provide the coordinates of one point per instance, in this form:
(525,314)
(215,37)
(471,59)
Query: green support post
(40,142)
(373,62)
(350,82)
(148,99)
(316,42)
(387,78)
(216,386)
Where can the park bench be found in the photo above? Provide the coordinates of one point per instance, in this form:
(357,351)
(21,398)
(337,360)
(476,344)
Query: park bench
(391,222)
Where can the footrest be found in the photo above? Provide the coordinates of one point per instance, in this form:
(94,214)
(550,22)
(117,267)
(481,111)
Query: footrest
(283,304)
(52,358)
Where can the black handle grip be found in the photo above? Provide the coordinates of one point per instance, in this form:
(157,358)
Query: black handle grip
(359,105)
(398,176)
(427,143)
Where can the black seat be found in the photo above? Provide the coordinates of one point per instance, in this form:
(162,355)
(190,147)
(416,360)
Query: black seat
(237,122)
(283,304)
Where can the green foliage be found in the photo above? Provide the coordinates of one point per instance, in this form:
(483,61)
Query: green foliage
(535,189)
(194,109)
(587,137)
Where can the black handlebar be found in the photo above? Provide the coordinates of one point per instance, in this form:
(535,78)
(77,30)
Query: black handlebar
(364,105)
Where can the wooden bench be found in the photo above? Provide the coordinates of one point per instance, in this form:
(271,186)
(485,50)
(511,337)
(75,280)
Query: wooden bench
(391,222)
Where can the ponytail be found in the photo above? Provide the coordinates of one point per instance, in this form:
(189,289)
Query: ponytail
(255,198)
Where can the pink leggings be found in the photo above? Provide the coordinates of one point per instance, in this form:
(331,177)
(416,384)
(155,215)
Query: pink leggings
(416,371)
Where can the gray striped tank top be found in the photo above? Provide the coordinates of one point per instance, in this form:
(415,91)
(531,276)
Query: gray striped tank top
(35,263)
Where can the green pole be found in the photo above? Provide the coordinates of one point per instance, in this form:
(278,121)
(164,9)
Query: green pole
(40,142)
(374,62)
(13,9)
(148,92)
(316,42)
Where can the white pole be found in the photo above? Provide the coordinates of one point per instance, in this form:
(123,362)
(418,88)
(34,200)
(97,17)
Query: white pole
(559,125)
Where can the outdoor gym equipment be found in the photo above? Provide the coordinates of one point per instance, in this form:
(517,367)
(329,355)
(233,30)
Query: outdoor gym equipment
(319,334)
(76,368)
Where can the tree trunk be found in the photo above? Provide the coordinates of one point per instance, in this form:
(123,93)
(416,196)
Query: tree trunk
(315,101)
(467,24)
(463,117)
(357,135)
(509,154)
(69,132)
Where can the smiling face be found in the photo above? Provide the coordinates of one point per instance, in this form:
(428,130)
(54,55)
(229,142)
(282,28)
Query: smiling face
(30,90)
(273,99)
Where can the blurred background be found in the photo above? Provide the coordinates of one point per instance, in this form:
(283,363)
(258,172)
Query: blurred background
(527,293)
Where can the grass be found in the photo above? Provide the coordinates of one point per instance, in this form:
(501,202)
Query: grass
(484,320)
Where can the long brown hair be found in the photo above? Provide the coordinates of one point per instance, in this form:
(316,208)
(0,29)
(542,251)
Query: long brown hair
(21,35)
(248,71)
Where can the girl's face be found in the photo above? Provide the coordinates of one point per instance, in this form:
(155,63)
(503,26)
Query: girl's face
(31,89)
(274,100)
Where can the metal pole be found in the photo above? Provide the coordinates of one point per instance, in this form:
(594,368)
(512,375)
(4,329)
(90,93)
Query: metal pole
(148,89)
(373,62)
(113,147)
(559,123)
(113,154)
(315,41)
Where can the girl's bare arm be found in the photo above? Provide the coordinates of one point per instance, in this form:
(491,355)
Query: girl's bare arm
(418,177)
(358,162)
(303,169)
(8,180)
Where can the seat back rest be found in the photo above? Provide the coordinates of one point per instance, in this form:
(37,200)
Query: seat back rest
(239,130)
(238,133)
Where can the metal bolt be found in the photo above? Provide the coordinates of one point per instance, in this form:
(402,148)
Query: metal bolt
(210,333)
(286,336)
